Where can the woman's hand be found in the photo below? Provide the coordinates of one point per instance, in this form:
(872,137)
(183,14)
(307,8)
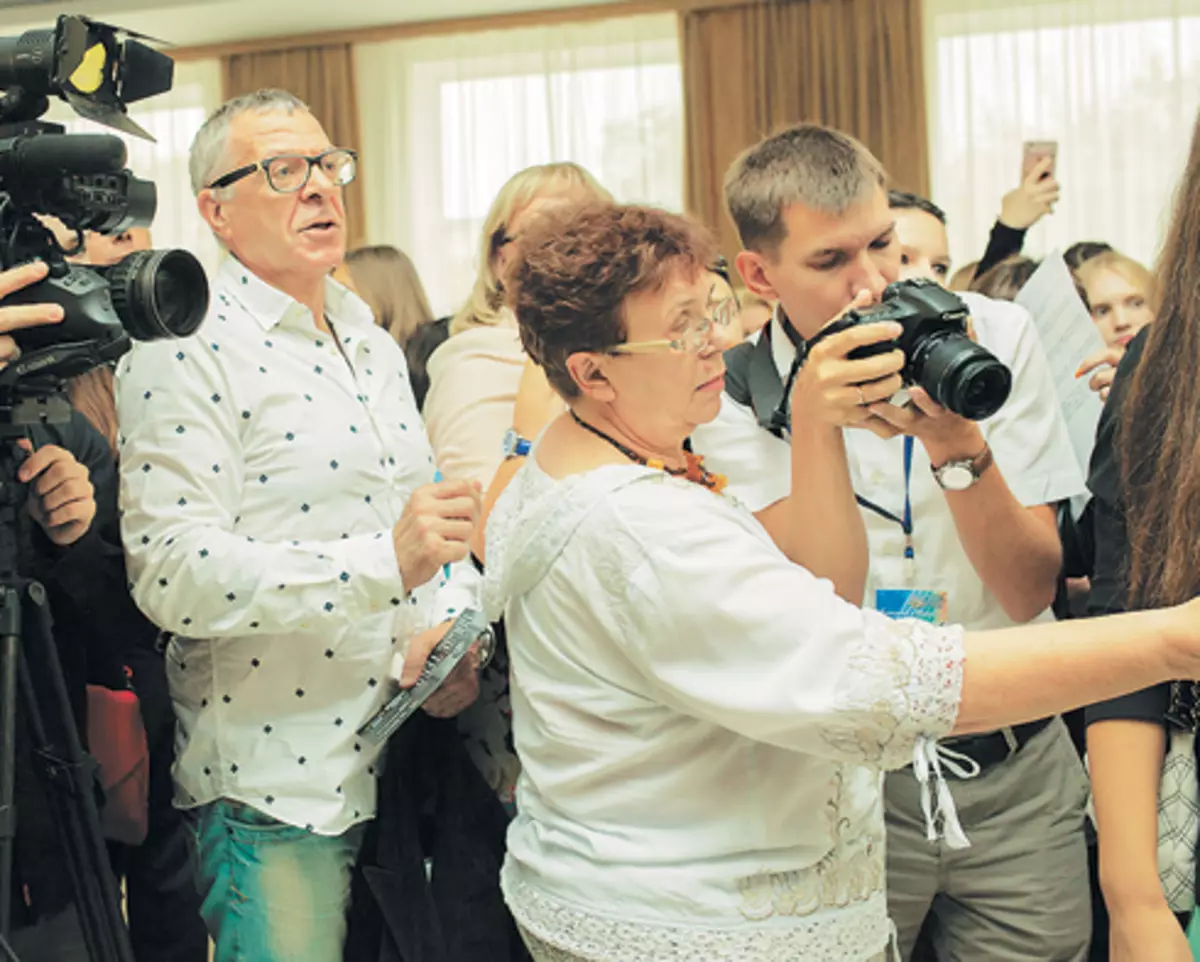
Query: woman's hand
(1106,361)
(1142,933)
(1024,206)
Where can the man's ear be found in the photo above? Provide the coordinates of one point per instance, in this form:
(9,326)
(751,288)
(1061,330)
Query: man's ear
(753,267)
(587,371)
(212,209)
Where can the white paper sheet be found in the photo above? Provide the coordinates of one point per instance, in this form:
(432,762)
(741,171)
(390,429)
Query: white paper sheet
(1068,336)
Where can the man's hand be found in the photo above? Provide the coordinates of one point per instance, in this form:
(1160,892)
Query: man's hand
(61,498)
(19,316)
(839,392)
(945,435)
(1106,361)
(1141,933)
(1024,206)
(460,689)
(435,529)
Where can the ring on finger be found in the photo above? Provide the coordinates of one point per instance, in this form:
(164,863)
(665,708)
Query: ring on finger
(862,401)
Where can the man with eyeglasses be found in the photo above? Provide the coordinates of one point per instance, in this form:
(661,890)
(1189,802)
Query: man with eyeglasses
(283,527)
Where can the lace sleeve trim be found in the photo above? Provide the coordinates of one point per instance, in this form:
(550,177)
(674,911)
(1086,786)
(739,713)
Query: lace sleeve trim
(902,685)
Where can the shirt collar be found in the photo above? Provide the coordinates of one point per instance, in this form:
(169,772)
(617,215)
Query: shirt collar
(272,307)
(783,352)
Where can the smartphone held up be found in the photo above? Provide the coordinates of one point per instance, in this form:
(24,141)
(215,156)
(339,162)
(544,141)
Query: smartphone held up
(1033,152)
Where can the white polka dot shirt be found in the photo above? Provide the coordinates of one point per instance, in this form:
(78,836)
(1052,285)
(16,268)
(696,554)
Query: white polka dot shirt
(263,467)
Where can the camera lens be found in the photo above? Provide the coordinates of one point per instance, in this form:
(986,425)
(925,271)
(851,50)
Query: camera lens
(964,377)
(159,293)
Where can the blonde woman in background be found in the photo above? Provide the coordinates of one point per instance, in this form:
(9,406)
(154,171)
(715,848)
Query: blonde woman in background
(1120,294)
(472,405)
(386,278)
(474,376)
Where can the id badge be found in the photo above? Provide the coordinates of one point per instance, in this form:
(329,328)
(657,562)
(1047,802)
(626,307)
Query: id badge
(932,607)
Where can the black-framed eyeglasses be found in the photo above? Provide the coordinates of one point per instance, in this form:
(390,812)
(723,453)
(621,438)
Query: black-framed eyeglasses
(288,173)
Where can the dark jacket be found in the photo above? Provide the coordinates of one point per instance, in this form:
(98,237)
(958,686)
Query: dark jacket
(94,623)
(433,804)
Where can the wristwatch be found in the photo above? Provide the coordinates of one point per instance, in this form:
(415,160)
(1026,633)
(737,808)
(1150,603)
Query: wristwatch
(515,446)
(486,648)
(960,475)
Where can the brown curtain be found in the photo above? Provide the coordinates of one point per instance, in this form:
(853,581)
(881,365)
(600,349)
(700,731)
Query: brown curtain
(321,76)
(856,65)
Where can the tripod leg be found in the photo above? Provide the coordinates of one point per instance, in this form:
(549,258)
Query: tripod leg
(10,631)
(70,784)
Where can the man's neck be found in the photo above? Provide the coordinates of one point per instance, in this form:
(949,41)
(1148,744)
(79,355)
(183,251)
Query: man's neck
(306,289)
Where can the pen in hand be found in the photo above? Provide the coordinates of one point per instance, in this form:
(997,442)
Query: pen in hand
(437,479)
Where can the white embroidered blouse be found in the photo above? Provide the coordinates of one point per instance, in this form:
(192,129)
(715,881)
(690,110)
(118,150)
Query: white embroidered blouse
(702,726)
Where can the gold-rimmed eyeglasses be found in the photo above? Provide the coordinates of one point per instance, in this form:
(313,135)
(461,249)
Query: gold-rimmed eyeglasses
(696,337)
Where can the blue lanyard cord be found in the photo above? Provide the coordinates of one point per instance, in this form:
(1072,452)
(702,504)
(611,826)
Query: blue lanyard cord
(905,521)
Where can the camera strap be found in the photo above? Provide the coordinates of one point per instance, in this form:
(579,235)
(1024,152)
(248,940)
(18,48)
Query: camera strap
(905,521)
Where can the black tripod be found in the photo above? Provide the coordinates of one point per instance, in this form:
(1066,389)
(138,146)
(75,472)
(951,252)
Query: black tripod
(31,676)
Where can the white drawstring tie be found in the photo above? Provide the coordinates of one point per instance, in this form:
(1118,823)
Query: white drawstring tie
(928,759)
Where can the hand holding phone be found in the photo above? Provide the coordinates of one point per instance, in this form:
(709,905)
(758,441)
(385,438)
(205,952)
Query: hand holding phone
(1039,190)
(1036,151)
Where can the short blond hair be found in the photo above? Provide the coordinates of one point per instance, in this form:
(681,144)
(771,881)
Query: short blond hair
(1133,271)
(485,306)
(819,167)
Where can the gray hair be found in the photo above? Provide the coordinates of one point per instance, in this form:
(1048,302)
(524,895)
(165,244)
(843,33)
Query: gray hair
(823,169)
(211,142)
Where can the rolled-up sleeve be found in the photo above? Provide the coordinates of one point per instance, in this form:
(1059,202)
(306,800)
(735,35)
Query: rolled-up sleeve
(730,631)
(181,478)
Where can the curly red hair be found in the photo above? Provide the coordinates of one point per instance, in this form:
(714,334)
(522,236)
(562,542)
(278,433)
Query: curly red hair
(575,269)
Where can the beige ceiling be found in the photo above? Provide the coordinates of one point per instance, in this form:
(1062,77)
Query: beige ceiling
(188,22)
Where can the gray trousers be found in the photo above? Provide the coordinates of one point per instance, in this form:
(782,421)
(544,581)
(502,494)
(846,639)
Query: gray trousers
(1020,892)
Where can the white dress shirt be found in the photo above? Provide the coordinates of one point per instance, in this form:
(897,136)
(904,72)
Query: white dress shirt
(701,726)
(263,467)
(1027,435)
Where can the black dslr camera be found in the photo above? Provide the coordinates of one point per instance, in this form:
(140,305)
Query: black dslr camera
(957,373)
(81,179)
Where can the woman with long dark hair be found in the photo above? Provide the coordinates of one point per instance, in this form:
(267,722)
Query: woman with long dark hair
(1146,480)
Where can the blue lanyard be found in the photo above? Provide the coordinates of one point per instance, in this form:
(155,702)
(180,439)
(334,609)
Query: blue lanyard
(905,521)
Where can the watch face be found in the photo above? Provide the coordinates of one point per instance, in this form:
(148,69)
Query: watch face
(510,443)
(956,477)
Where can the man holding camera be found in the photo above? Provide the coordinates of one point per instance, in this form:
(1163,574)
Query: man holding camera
(960,528)
(282,523)
(75,553)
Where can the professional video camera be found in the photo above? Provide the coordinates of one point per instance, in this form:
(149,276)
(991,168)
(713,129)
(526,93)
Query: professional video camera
(81,179)
(957,373)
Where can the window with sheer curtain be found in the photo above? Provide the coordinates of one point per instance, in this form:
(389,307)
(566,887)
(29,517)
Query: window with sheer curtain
(447,120)
(172,119)
(1115,82)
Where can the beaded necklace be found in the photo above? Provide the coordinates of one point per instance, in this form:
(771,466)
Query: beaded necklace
(694,471)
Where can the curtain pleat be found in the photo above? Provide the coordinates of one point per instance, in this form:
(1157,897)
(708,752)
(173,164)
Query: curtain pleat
(749,70)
